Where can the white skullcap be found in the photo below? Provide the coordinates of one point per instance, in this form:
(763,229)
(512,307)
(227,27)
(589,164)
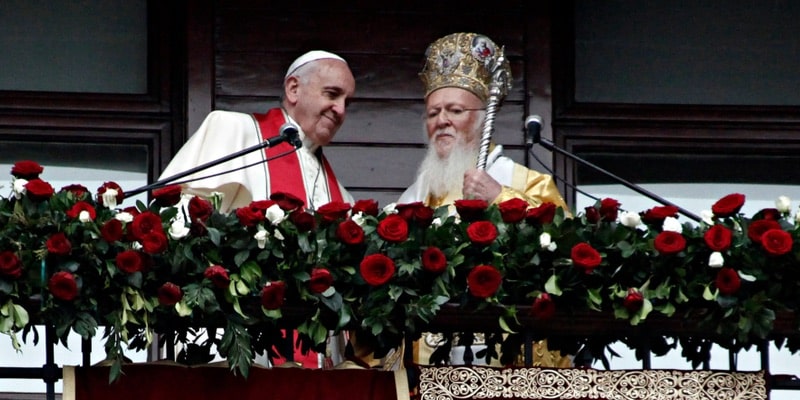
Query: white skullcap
(312,55)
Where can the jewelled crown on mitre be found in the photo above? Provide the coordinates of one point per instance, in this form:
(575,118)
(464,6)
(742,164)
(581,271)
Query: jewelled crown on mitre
(464,60)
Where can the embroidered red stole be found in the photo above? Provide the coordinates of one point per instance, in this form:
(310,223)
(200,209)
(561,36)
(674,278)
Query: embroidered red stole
(285,174)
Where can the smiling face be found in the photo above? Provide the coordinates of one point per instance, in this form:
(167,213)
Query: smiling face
(453,115)
(316,98)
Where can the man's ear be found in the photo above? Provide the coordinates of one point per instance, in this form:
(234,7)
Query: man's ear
(291,88)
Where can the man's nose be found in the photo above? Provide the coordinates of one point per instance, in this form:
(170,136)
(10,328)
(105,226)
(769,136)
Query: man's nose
(340,107)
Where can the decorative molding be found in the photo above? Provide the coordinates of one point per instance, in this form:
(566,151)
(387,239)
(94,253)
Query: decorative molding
(446,383)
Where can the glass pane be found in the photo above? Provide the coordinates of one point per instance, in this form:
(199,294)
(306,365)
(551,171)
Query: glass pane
(725,52)
(80,163)
(97,46)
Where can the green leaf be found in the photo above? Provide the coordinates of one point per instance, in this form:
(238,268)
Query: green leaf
(551,286)
(504,325)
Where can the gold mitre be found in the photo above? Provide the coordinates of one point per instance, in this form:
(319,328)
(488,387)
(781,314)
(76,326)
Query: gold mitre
(467,61)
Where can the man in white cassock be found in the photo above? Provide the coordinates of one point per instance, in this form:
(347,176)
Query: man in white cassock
(317,87)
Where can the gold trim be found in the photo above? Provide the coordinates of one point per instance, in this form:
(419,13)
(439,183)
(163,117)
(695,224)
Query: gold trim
(446,383)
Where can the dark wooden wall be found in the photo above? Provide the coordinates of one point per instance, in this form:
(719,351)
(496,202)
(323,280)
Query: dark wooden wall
(250,45)
(232,55)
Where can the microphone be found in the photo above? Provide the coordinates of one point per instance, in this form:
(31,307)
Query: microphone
(288,132)
(533,130)
(533,126)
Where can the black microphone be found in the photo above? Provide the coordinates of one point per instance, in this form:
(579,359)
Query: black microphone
(288,132)
(532,132)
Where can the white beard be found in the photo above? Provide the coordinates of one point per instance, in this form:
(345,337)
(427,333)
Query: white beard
(444,176)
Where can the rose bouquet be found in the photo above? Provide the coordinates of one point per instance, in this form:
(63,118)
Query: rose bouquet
(79,261)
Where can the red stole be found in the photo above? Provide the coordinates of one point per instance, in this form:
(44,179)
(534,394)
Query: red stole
(285,174)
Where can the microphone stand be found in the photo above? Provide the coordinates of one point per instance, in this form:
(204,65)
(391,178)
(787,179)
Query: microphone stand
(163,182)
(547,144)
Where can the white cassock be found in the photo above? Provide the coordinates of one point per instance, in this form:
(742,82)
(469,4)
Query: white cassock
(223,133)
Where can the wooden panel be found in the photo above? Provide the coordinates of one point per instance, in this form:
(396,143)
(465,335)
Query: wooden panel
(363,28)
(261,74)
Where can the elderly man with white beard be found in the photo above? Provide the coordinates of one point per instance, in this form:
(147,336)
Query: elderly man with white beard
(457,81)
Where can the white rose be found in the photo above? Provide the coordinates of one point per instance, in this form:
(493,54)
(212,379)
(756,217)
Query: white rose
(178,230)
(19,187)
(84,216)
(707,217)
(359,219)
(630,219)
(715,260)
(546,242)
(124,216)
(437,222)
(275,214)
(390,208)
(783,204)
(261,237)
(279,235)
(110,198)
(671,224)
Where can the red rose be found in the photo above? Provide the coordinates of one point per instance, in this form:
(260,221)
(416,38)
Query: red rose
(728,206)
(757,228)
(58,244)
(287,201)
(393,229)
(169,294)
(250,216)
(769,213)
(167,196)
(77,190)
(718,238)
(366,207)
(657,215)
(321,280)
(26,169)
(200,209)
(471,210)
(543,307)
(513,210)
(39,190)
(633,301)
(609,209)
(76,209)
(776,242)
(592,215)
(111,230)
(482,233)
(483,281)
(302,220)
(415,212)
(541,215)
(10,265)
(218,276)
(333,211)
(728,281)
(262,205)
(272,295)
(129,261)
(155,242)
(668,243)
(434,260)
(350,232)
(144,224)
(110,185)
(377,269)
(63,286)
(584,256)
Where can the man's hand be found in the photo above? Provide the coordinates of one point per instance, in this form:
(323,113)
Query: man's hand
(479,185)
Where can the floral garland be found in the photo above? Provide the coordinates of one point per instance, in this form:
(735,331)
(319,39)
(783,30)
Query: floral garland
(80,261)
